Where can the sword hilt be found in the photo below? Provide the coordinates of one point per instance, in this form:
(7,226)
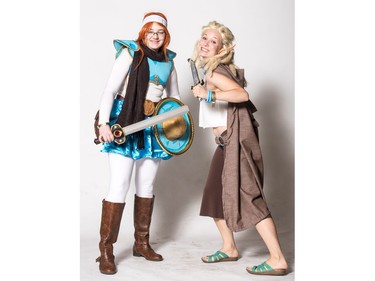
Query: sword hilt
(199,83)
(118,134)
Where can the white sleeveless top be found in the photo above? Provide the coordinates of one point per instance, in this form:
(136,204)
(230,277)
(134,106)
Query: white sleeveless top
(213,114)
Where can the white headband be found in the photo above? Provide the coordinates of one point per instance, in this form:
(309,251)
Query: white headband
(155,18)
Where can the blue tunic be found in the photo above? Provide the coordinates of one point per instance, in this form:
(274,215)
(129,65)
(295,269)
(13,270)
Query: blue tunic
(159,74)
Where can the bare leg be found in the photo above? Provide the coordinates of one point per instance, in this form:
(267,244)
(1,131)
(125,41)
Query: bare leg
(267,231)
(229,245)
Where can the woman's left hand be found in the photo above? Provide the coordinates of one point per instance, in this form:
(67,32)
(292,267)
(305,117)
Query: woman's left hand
(199,91)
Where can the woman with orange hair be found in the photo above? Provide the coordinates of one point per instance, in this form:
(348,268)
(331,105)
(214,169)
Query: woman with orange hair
(142,72)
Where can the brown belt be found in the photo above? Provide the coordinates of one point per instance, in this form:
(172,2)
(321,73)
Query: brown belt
(149,106)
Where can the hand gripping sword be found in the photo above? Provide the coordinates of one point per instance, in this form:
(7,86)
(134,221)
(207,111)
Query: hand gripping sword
(120,133)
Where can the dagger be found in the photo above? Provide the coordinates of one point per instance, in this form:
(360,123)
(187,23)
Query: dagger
(195,74)
(120,133)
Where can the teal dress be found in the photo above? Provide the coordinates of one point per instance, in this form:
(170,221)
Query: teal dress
(159,74)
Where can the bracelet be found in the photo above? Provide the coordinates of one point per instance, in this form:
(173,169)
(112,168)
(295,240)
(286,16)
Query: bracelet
(209,96)
(106,123)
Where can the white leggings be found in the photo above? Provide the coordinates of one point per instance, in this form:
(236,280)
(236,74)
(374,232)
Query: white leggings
(121,169)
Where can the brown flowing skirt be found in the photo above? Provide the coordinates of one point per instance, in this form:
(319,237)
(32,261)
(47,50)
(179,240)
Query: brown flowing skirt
(212,204)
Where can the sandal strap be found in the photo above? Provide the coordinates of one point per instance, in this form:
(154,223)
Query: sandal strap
(262,267)
(217,256)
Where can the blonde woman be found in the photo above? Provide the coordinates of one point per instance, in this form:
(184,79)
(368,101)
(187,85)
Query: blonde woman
(233,195)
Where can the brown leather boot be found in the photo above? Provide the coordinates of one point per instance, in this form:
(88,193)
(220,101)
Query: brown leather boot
(142,219)
(109,228)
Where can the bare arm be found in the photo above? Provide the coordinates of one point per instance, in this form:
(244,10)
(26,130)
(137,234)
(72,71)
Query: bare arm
(225,89)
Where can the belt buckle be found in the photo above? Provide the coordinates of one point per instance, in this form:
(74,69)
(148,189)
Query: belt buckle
(220,141)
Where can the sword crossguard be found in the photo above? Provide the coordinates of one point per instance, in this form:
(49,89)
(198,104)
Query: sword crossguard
(200,83)
(118,133)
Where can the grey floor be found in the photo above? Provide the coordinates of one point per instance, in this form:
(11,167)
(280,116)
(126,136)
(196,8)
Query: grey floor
(179,233)
(182,259)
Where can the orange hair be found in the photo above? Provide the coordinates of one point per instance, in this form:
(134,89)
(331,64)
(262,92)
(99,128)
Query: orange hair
(147,26)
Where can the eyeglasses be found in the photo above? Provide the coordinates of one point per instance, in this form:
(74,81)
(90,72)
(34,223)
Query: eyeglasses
(151,33)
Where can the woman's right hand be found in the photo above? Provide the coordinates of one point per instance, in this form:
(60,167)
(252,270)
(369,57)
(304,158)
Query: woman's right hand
(105,134)
(199,92)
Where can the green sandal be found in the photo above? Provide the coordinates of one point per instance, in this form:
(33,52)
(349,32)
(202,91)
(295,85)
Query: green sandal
(219,256)
(265,269)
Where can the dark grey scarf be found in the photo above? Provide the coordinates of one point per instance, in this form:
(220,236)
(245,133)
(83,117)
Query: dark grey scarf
(132,108)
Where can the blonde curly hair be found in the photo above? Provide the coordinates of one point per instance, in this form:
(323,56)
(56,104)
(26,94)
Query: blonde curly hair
(225,54)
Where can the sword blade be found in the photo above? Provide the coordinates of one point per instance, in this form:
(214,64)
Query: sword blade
(194,72)
(130,129)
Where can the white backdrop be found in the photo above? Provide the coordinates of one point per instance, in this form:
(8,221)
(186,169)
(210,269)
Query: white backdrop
(264,32)
(334,65)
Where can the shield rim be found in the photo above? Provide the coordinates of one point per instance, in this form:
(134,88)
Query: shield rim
(189,143)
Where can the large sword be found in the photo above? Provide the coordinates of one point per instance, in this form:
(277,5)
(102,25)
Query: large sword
(120,133)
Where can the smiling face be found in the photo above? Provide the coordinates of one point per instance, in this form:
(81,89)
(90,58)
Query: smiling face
(154,37)
(210,43)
